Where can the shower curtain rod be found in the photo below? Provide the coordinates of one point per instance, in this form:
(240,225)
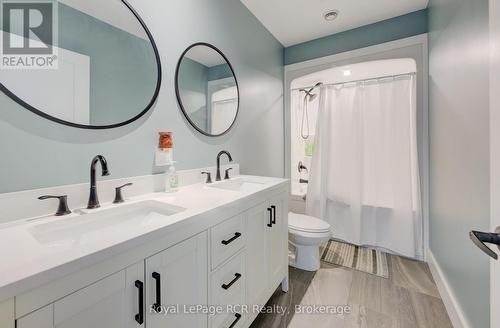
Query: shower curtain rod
(363,80)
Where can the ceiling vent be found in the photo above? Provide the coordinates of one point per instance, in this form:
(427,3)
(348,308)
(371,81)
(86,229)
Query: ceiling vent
(331,15)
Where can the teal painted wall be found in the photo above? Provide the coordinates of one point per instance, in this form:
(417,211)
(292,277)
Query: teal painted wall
(38,153)
(388,30)
(459,149)
(218,72)
(122,65)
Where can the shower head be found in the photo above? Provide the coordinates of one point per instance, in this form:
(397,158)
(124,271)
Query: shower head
(312,96)
(309,92)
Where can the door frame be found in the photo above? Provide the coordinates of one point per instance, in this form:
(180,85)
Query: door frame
(379,51)
(494,12)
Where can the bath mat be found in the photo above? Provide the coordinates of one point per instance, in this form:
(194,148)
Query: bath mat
(359,258)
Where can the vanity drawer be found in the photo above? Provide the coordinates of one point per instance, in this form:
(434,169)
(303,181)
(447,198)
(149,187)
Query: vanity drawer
(227,239)
(228,285)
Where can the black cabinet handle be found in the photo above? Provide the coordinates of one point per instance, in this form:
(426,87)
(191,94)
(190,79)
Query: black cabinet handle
(157,305)
(237,277)
(140,316)
(274,214)
(238,317)
(229,241)
(270,224)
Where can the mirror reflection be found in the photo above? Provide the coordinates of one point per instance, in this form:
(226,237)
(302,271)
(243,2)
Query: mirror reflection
(207,89)
(106,70)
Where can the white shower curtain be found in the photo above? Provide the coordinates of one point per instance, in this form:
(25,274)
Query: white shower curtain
(364,178)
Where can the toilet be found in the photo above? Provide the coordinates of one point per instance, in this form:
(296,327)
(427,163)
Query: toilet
(306,234)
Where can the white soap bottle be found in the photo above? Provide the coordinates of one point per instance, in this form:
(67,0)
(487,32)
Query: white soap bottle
(172,180)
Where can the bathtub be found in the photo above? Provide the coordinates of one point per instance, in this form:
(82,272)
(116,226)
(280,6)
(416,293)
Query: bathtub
(297,203)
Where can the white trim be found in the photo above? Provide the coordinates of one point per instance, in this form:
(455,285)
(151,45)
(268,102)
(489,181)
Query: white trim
(494,104)
(453,308)
(313,65)
(391,45)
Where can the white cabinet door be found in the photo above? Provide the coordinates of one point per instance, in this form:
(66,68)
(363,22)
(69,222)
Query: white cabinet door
(177,279)
(267,239)
(43,318)
(276,241)
(109,303)
(7,313)
(257,282)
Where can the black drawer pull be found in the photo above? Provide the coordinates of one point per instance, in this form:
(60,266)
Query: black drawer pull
(237,276)
(227,242)
(274,214)
(157,305)
(140,316)
(238,317)
(270,224)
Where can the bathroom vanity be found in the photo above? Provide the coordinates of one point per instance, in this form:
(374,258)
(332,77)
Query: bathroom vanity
(158,260)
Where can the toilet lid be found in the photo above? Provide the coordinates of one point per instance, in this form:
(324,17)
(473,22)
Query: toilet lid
(307,223)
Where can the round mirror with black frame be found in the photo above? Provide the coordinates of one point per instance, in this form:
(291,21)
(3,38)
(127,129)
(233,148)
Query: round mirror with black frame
(207,89)
(94,63)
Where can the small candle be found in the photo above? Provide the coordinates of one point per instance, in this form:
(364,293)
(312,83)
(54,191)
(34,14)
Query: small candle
(166,140)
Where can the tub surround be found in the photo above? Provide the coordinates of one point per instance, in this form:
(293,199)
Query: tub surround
(47,257)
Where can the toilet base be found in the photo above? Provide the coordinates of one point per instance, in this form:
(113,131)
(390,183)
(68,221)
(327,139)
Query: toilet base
(305,258)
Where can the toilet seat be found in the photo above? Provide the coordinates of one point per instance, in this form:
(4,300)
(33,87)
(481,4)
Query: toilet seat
(305,223)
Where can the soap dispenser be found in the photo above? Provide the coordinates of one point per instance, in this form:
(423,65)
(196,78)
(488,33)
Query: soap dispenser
(172,179)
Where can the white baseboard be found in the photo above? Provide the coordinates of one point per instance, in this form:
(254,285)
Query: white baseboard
(453,308)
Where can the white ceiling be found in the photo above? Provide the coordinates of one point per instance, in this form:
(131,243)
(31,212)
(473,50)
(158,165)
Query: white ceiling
(205,56)
(296,21)
(113,12)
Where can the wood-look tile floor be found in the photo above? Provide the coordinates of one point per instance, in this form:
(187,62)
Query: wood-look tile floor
(408,299)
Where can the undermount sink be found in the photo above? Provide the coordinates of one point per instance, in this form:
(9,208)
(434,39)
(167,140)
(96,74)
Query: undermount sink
(87,227)
(239,184)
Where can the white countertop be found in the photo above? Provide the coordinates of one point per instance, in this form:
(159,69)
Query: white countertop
(25,256)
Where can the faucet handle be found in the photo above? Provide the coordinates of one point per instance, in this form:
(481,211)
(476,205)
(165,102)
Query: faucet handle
(209,177)
(226,177)
(301,167)
(118,193)
(62,209)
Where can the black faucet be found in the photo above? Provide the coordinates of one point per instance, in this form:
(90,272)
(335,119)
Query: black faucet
(62,209)
(93,199)
(218,178)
